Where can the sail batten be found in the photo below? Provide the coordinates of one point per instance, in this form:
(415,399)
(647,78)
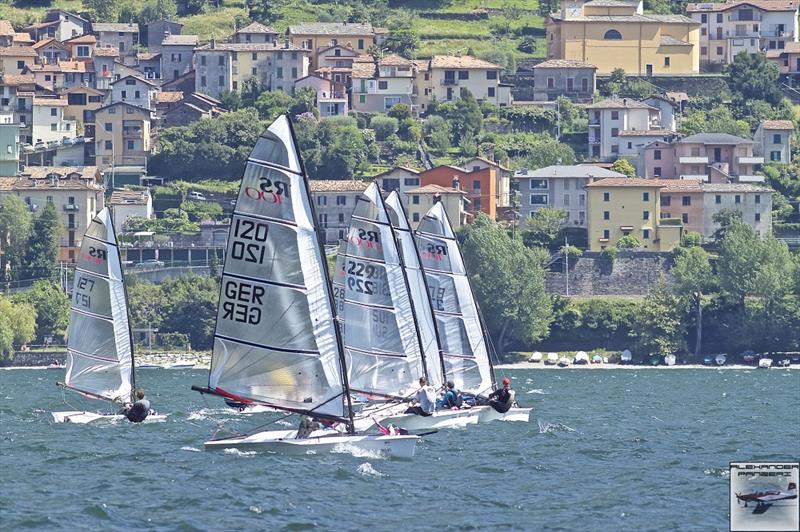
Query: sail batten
(275,340)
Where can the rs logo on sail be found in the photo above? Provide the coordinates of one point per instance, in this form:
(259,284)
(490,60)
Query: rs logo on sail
(96,255)
(371,238)
(269,190)
(434,252)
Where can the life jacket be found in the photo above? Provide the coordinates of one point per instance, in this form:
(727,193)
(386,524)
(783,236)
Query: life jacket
(459,400)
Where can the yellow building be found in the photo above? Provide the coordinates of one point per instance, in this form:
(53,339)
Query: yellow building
(15,59)
(122,135)
(419,201)
(618,35)
(620,206)
(318,36)
(82,102)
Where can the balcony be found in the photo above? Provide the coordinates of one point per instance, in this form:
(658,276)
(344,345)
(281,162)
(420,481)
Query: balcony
(701,177)
(751,179)
(693,160)
(743,34)
(132,132)
(449,81)
(594,140)
(750,160)
(754,17)
(71,207)
(780,34)
(594,121)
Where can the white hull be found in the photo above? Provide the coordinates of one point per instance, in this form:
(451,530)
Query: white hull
(765,363)
(669,360)
(322,441)
(81,418)
(443,419)
(487,414)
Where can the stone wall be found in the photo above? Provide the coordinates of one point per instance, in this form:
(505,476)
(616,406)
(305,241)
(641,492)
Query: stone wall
(35,358)
(696,85)
(629,274)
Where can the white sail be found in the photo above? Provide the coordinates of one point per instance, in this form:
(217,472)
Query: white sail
(465,353)
(417,289)
(275,341)
(99,354)
(338,281)
(380,337)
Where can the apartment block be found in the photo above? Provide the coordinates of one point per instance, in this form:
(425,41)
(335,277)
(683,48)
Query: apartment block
(773,141)
(177,52)
(753,201)
(444,76)
(480,187)
(334,201)
(315,36)
(379,85)
(122,134)
(122,36)
(418,201)
(571,78)
(613,116)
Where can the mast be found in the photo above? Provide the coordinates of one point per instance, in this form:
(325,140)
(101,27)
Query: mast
(328,288)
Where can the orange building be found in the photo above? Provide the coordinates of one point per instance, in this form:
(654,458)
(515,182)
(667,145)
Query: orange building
(480,186)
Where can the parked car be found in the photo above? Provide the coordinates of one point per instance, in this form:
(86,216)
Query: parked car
(52,143)
(26,148)
(150,263)
(39,145)
(77,140)
(197,196)
(66,141)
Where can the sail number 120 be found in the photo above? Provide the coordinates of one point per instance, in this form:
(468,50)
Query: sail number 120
(255,232)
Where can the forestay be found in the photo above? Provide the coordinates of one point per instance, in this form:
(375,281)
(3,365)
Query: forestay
(99,353)
(466,357)
(417,289)
(275,341)
(380,337)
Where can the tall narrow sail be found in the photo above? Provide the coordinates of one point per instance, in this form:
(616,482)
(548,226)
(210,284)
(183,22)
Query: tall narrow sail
(382,346)
(99,350)
(275,341)
(338,281)
(418,290)
(466,357)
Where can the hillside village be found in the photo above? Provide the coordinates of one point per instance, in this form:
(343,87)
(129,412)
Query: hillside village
(634,125)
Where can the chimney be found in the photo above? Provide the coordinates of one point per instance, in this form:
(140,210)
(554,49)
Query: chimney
(213,43)
(625,102)
(456,183)
(286,44)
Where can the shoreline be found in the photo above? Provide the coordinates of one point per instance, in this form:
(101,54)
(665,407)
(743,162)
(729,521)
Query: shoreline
(540,365)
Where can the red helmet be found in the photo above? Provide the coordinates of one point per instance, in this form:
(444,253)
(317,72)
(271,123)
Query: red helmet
(506,380)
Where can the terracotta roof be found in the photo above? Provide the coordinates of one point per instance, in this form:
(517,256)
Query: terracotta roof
(667,40)
(363,69)
(50,102)
(715,138)
(47,42)
(646,133)
(18,51)
(6,29)
(395,60)
(34,177)
(644,19)
(765,5)
(777,124)
(435,189)
(251,47)
(489,162)
(564,63)
(331,28)
(255,27)
(627,182)
(680,185)
(23,37)
(17,79)
(118,27)
(106,51)
(585,171)
(184,40)
(619,103)
(82,39)
(337,185)
(128,197)
(464,61)
(147,56)
(734,187)
(169,96)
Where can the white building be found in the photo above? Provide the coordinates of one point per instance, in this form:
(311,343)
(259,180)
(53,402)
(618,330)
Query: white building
(135,91)
(129,203)
(773,141)
(334,201)
(400,178)
(608,118)
(48,120)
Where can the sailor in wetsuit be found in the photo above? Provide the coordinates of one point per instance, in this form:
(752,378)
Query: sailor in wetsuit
(503,399)
(138,411)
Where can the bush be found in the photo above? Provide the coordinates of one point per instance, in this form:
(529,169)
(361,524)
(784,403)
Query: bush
(692,239)
(384,126)
(628,242)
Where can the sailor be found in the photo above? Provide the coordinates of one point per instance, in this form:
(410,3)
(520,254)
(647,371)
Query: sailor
(139,411)
(503,399)
(424,399)
(451,399)
(307,426)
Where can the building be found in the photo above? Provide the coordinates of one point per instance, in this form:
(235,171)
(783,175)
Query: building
(49,123)
(683,199)
(185,110)
(51,51)
(379,85)
(334,201)
(122,135)
(480,186)
(331,96)
(666,110)
(752,26)
(617,34)
(122,36)
(657,160)
(558,187)
(17,92)
(418,201)
(503,177)
(221,67)
(610,117)
(176,55)
(149,64)
(787,59)
(400,178)
(129,203)
(335,62)
(753,201)
(444,76)
(75,192)
(314,36)
(9,145)
(134,90)
(570,78)
(82,102)
(625,206)
(773,141)
(717,158)
(15,59)
(155,32)
(59,24)
(255,33)
(633,142)
(7,33)
(82,47)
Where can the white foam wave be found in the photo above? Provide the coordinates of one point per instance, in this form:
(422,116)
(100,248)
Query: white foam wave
(237,452)
(536,391)
(284,423)
(545,427)
(256,509)
(367,470)
(358,452)
(191,449)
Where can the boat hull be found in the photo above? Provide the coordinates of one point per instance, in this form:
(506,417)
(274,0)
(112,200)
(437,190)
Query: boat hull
(319,442)
(80,417)
(487,414)
(443,419)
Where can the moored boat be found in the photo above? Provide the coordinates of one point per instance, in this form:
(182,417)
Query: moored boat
(670,360)
(536,357)
(765,363)
(625,357)
(551,360)
(581,358)
(563,362)
(721,359)
(597,359)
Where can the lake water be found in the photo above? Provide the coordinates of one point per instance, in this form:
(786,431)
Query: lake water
(635,449)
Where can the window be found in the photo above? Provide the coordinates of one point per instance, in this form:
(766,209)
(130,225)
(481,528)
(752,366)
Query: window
(606,234)
(612,35)
(254,56)
(646,234)
(704,49)
(390,101)
(221,81)
(645,196)
(109,126)
(137,95)
(491,74)
(717,199)
(362,98)
(124,94)
(463,74)
(775,156)
(476,185)
(323,220)
(687,201)
(109,145)
(606,215)
(758,216)
(656,171)
(341,219)
(551,83)
(203,60)
(666,61)
(411,182)
(719,18)
(685,217)
(738,199)
(20,64)
(53,127)
(294,72)
(566,200)
(614,115)
(606,196)
(341,200)
(645,215)
(221,60)
(83,51)
(719,50)
(254,71)
(361,44)
(666,201)
(758,199)
(704,18)
(383,85)
(776,138)
(47,77)
(614,131)
(71,201)
(322,201)
(539,184)
(657,155)
(415,199)
(490,92)
(581,200)
(76,99)
(54,111)
(130,145)
(538,199)
(476,204)
(279,73)
(415,217)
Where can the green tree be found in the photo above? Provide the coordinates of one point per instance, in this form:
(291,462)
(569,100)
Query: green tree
(199,211)
(152,10)
(192,309)
(305,101)
(718,120)
(753,76)
(400,111)
(334,148)
(271,104)
(230,100)
(51,308)
(691,239)
(42,255)
(384,126)
(16,224)
(739,252)
(508,280)
(102,10)
(403,41)
(725,218)
(659,327)
(436,132)
(546,151)
(17,324)
(466,118)
(628,242)
(693,279)
(773,284)
(542,227)
(624,166)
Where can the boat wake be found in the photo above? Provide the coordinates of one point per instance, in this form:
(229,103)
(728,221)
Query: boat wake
(536,391)
(237,452)
(545,427)
(191,449)
(358,452)
(367,470)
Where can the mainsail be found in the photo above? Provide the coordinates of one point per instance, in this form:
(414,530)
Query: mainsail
(338,281)
(99,349)
(464,348)
(382,346)
(276,341)
(418,290)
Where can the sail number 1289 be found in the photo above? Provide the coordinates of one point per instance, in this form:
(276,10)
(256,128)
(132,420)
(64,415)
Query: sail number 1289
(256,233)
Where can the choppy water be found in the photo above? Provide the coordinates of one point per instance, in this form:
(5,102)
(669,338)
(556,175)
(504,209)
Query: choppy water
(614,449)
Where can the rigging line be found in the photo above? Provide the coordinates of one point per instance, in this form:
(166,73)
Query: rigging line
(291,414)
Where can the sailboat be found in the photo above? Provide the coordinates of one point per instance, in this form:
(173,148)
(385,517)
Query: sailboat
(99,345)
(465,346)
(384,345)
(276,341)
